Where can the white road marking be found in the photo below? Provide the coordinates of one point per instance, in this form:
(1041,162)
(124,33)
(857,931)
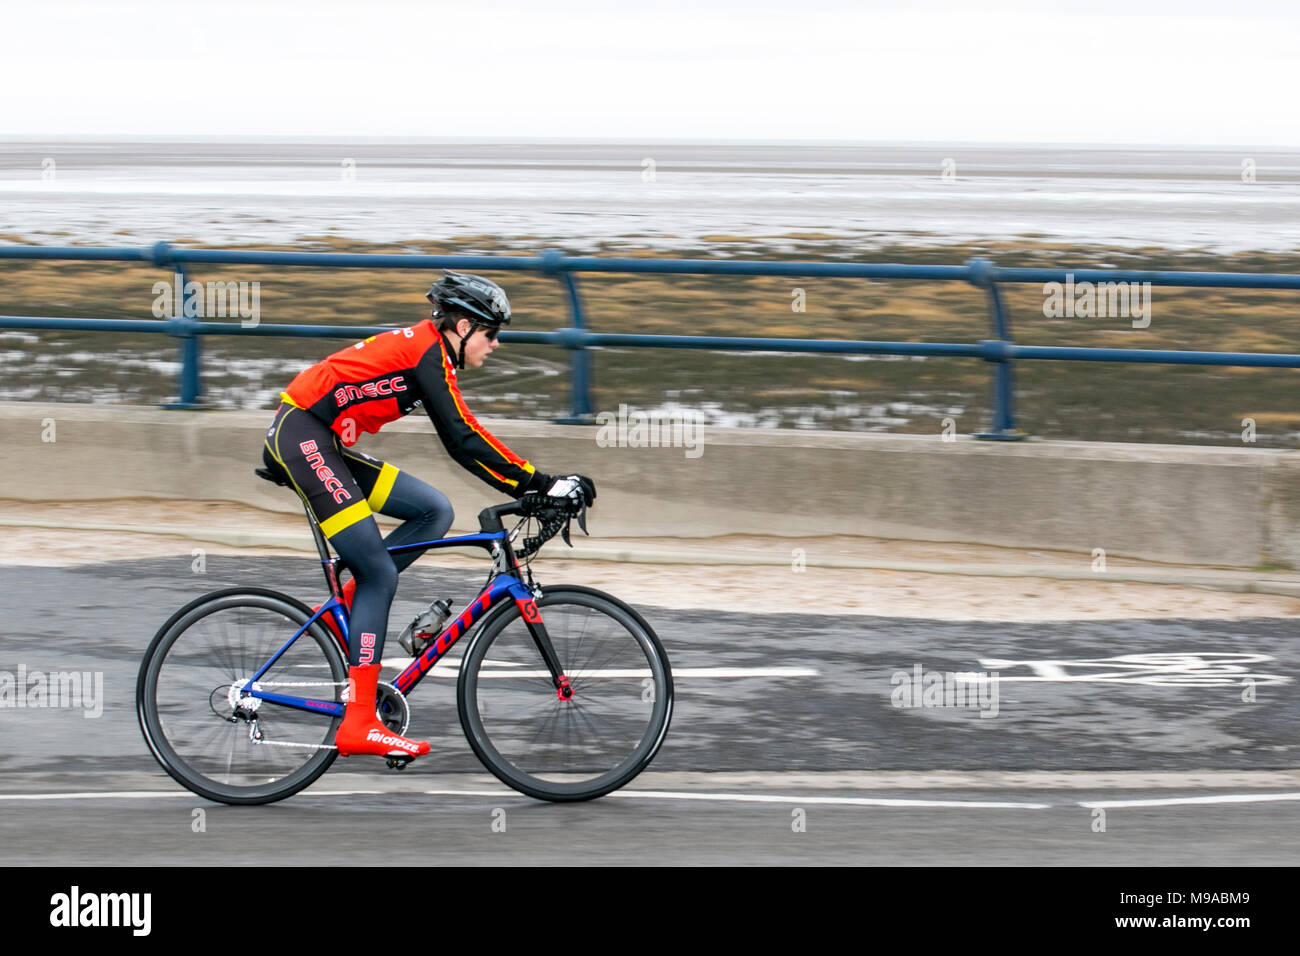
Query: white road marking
(770,798)
(833,801)
(787,799)
(125,795)
(149,794)
(625,794)
(1186,669)
(678,672)
(345,793)
(1184,801)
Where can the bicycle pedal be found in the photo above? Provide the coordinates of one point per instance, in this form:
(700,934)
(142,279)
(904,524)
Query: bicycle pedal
(398,763)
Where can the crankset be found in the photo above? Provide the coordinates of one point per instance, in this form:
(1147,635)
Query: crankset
(390,707)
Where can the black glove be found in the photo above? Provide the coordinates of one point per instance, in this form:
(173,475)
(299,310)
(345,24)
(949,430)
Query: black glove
(581,496)
(538,483)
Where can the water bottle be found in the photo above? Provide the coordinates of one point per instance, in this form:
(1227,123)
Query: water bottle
(425,627)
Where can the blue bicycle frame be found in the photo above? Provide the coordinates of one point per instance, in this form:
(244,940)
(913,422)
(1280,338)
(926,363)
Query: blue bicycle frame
(493,539)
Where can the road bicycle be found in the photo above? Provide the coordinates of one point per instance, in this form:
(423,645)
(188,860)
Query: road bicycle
(564,693)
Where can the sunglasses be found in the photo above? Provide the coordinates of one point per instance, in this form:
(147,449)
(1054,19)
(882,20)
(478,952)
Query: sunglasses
(490,332)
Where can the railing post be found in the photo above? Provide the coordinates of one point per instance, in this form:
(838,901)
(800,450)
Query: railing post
(1004,394)
(191,382)
(183,326)
(573,338)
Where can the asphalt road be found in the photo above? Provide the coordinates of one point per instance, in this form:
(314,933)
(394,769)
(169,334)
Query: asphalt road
(749,769)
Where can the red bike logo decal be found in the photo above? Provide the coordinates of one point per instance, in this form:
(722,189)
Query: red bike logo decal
(529,610)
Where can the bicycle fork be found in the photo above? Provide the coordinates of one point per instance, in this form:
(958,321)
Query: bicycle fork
(533,619)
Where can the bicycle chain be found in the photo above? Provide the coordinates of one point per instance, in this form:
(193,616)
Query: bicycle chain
(286,743)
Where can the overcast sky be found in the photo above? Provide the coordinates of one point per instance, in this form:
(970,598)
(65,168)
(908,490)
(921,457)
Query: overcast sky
(1164,72)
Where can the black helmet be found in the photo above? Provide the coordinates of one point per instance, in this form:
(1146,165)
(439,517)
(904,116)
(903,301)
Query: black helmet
(481,300)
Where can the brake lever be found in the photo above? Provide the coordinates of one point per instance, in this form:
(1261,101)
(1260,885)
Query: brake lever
(582,522)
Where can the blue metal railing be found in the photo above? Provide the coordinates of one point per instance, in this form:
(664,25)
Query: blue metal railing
(1000,350)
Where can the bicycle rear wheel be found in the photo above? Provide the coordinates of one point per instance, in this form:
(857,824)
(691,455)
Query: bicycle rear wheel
(188,701)
(590,744)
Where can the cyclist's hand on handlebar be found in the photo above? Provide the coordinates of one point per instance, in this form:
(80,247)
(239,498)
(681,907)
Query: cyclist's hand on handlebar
(539,483)
(579,490)
(588,488)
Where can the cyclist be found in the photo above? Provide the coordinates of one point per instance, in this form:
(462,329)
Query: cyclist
(360,389)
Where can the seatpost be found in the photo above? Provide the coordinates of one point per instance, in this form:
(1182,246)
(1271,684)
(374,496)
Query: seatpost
(323,548)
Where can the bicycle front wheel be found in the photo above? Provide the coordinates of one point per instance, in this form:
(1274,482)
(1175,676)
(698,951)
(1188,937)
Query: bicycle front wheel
(228,749)
(595,741)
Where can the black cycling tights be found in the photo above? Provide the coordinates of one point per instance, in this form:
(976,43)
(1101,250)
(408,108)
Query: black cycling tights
(344,488)
(428,514)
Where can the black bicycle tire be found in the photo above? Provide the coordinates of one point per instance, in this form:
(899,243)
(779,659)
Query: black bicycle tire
(150,724)
(497,764)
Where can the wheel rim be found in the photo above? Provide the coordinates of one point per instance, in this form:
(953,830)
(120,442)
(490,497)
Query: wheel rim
(594,741)
(192,726)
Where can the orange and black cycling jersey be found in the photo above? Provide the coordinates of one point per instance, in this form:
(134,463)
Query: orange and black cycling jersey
(367,385)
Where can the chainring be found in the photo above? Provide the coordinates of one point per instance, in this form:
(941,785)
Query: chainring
(392,709)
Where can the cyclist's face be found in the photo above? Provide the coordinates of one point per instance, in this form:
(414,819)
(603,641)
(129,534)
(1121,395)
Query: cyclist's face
(479,346)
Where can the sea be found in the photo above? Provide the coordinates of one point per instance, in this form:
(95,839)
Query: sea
(648,194)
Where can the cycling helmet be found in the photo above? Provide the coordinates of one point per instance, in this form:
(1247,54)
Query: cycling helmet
(480,300)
